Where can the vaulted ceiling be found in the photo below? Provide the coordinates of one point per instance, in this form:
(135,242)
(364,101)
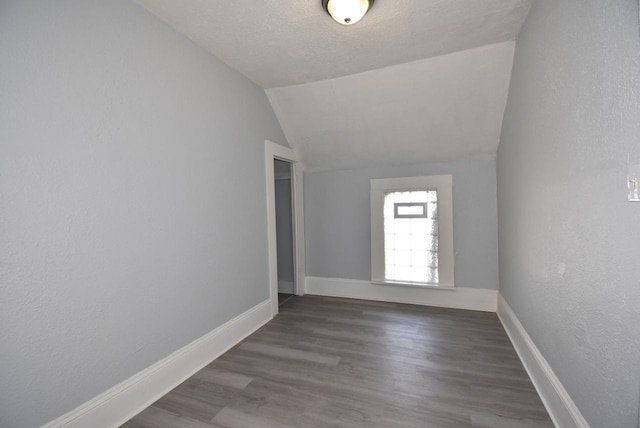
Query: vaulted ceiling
(414,81)
(438,109)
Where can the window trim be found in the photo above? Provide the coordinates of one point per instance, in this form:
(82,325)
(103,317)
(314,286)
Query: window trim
(443,184)
(397,205)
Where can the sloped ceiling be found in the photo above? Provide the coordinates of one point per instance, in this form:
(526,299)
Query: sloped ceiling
(285,42)
(438,109)
(415,81)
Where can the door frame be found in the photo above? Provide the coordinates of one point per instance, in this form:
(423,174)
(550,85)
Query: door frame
(275,151)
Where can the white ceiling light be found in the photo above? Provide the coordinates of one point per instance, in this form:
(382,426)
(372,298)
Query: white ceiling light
(347,12)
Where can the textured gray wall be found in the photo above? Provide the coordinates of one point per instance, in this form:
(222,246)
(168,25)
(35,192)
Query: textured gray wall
(132,194)
(337,220)
(569,240)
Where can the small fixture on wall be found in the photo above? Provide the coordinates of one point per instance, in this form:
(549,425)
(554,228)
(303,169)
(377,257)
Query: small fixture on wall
(347,12)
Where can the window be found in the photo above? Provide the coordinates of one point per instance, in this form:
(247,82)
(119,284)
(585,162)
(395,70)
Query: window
(412,231)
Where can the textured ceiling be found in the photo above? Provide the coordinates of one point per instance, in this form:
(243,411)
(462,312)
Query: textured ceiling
(415,81)
(284,42)
(438,109)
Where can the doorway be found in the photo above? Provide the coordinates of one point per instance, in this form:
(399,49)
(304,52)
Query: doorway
(282,171)
(295,227)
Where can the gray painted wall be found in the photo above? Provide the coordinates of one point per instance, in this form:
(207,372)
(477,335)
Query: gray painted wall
(337,220)
(284,235)
(569,241)
(122,148)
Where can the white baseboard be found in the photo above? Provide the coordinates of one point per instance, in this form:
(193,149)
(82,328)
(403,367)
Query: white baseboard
(125,400)
(559,404)
(459,298)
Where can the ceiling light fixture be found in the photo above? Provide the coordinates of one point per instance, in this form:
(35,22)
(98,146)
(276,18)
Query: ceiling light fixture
(347,12)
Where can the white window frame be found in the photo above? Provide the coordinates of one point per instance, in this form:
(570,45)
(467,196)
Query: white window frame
(443,184)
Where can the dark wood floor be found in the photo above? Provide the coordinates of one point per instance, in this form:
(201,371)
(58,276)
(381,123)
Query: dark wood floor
(284,297)
(325,362)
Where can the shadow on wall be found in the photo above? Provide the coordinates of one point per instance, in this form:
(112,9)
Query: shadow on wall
(284,226)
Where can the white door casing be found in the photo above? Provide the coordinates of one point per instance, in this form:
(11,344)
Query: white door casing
(276,151)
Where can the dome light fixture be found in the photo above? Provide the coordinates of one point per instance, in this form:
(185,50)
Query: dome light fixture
(347,12)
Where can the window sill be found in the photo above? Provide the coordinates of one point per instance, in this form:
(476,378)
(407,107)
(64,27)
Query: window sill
(416,285)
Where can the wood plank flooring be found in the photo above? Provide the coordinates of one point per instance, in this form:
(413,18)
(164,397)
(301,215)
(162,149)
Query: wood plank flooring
(284,297)
(326,362)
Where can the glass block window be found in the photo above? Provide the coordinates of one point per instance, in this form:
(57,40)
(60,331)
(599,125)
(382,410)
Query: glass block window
(412,231)
(411,236)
